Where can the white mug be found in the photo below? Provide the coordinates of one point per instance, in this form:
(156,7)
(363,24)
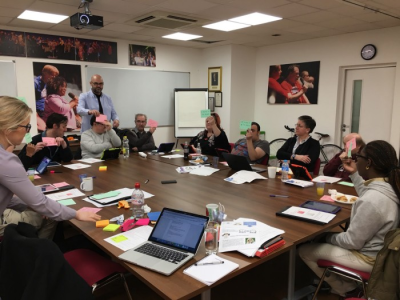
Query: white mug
(87,184)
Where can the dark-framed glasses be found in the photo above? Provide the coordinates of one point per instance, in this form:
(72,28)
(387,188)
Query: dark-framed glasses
(27,127)
(362,156)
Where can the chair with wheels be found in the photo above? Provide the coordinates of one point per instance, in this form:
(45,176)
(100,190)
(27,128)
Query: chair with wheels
(317,166)
(338,269)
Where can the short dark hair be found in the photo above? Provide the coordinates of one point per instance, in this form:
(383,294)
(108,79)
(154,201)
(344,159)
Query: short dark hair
(92,120)
(53,84)
(258,125)
(57,119)
(309,122)
(291,68)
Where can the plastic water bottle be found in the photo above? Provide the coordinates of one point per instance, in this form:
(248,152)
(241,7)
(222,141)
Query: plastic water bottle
(137,202)
(186,151)
(198,149)
(125,147)
(285,170)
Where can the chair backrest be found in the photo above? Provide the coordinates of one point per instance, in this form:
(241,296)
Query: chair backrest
(317,166)
(265,160)
(232,146)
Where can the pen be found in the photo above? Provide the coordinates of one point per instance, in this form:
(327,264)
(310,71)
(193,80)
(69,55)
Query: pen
(280,196)
(209,263)
(147,181)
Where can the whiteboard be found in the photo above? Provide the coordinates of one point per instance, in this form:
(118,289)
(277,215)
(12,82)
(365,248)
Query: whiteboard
(139,91)
(188,104)
(8,86)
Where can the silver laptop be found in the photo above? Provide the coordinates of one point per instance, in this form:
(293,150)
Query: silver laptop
(174,240)
(238,163)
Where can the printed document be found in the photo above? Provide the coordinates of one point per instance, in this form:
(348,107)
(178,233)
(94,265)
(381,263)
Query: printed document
(131,238)
(65,195)
(244,176)
(309,214)
(77,166)
(90,160)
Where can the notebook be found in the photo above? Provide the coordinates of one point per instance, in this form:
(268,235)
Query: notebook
(176,231)
(238,163)
(165,147)
(111,153)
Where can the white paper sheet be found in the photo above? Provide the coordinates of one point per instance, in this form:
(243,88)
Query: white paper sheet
(133,237)
(326,179)
(90,160)
(173,156)
(65,195)
(124,192)
(244,176)
(186,169)
(77,166)
(204,171)
(309,214)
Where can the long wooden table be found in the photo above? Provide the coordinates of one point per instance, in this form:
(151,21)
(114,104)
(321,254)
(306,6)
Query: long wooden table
(192,193)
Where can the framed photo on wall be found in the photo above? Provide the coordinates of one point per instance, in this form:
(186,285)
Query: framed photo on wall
(218,99)
(211,103)
(215,79)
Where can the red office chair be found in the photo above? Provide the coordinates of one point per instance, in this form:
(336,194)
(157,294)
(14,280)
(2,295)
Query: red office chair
(317,166)
(232,146)
(95,269)
(338,269)
(265,160)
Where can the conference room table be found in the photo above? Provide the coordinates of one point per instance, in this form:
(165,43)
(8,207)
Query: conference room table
(191,193)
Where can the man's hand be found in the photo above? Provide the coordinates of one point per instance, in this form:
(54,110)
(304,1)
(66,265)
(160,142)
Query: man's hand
(348,164)
(108,125)
(87,216)
(303,158)
(152,129)
(115,123)
(30,150)
(60,142)
(135,149)
(249,134)
(94,112)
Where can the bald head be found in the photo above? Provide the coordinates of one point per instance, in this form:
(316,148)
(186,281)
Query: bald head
(97,83)
(359,142)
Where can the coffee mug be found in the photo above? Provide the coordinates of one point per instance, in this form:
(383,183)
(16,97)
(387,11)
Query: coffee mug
(87,184)
(212,211)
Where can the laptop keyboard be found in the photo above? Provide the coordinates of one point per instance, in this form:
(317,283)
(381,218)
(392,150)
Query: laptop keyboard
(162,253)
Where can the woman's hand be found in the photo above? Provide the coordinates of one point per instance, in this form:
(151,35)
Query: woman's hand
(87,216)
(348,164)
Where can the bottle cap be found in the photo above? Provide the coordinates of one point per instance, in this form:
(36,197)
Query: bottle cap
(137,185)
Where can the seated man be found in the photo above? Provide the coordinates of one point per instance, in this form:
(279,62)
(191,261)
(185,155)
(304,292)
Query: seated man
(99,138)
(334,167)
(33,153)
(139,139)
(252,146)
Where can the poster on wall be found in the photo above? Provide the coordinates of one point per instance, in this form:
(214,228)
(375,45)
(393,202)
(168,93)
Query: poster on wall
(140,55)
(295,83)
(49,46)
(12,43)
(57,89)
(96,51)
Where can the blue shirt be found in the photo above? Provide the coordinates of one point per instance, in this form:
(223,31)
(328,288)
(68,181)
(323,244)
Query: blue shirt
(88,101)
(40,93)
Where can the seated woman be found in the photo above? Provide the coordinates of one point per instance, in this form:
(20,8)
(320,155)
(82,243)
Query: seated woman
(213,137)
(374,213)
(301,149)
(55,103)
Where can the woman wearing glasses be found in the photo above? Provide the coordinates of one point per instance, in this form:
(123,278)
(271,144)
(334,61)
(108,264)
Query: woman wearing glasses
(16,190)
(376,178)
(301,149)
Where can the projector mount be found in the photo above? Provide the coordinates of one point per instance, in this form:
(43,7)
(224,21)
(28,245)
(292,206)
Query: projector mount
(85,4)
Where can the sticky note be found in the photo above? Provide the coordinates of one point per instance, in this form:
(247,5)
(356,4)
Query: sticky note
(28,138)
(350,145)
(22,99)
(111,227)
(37,177)
(153,216)
(204,113)
(92,209)
(119,238)
(101,119)
(346,183)
(67,202)
(50,141)
(102,223)
(103,168)
(106,195)
(152,123)
(244,125)
(60,184)
(327,198)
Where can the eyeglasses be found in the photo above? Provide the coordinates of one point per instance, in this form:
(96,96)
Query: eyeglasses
(100,123)
(362,156)
(98,83)
(27,127)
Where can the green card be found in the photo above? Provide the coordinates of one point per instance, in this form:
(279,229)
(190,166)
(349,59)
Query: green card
(22,99)
(244,125)
(204,113)
(111,227)
(28,138)
(67,202)
(119,238)
(346,183)
(106,195)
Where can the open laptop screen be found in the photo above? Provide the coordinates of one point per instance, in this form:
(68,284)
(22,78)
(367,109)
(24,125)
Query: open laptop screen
(179,229)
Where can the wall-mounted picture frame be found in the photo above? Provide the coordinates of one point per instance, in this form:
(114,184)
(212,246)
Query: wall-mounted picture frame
(211,103)
(218,99)
(215,79)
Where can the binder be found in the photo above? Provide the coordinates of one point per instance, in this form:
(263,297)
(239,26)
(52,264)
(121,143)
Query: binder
(265,251)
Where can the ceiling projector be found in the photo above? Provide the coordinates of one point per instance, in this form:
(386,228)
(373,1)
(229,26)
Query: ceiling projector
(81,21)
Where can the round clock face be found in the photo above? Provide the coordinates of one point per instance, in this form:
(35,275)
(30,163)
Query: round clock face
(368,52)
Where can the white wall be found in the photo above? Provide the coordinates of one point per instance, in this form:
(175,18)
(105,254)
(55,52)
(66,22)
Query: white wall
(334,53)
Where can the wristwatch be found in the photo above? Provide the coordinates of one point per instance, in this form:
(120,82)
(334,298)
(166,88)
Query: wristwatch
(293,156)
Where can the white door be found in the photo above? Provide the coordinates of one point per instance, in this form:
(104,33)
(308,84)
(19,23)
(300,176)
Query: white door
(368,102)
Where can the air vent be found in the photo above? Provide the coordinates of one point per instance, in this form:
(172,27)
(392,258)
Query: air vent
(161,19)
(181,18)
(145,19)
(205,42)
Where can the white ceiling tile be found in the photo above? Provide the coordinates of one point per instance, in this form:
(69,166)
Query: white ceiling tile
(292,10)
(316,17)
(106,33)
(258,5)
(340,23)
(219,1)
(118,6)
(324,4)
(373,17)
(122,28)
(10,12)
(5,20)
(21,4)
(360,27)
(221,12)
(54,8)
(187,6)
(388,23)
(282,24)
(327,32)
(147,2)
(348,10)
(305,29)
(28,24)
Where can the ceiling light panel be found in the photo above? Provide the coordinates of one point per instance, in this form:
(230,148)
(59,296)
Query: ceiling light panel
(255,19)
(226,26)
(41,17)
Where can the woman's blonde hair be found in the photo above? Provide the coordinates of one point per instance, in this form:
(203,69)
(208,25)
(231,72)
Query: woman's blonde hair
(13,113)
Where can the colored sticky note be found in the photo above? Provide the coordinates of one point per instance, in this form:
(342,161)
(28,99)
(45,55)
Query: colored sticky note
(346,183)
(60,184)
(103,168)
(101,119)
(92,209)
(50,141)
(350,145)
(67,202)
(119,238)
(22,99)
(204,113)
(152,123)
(28,138)
(153,216)
(111,227)
(244,125)
(37,177)
(106,195)
(327,198)
(102,223)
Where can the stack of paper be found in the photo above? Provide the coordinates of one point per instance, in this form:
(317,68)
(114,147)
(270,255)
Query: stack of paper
(131,238)
(211,269)
(326,179)
(300,183)
(122,193)
(203,171)
(244,176)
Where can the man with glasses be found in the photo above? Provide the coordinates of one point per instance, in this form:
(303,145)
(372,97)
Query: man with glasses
(252,146)
(99,138)
(139,139)
(33,153)
(334,167)
(95,103)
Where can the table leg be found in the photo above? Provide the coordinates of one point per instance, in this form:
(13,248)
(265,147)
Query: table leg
(206,295)
(292,271)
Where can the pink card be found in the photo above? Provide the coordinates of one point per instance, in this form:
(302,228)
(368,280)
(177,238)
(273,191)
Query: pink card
(350,145)
(101,119)
(92,209)
(152,123)
(327,198)
(37,177)
(60,184)
(50,141)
